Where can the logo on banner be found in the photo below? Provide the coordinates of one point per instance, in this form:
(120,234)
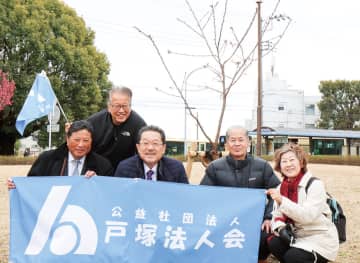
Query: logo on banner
(76,231)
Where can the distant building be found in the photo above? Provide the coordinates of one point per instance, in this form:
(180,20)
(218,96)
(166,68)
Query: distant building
(314,141)
(290,116)
(285,108)
(176,146)
(29,146)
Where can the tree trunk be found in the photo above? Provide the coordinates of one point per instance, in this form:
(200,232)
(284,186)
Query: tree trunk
(7,143)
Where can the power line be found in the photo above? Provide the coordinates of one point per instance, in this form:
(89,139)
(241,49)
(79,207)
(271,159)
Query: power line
(110,28)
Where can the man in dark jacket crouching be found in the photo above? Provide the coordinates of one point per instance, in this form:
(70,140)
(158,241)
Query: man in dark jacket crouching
(239,169)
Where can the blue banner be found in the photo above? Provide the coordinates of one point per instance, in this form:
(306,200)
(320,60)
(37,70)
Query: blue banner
(106,219)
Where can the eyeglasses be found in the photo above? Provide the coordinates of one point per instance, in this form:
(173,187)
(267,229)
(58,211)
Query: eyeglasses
(153,144)
(118,107)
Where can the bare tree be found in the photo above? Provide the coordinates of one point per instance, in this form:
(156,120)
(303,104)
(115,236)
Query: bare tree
(227,56)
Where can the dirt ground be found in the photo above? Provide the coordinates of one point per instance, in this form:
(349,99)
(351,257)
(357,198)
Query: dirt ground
(343,182)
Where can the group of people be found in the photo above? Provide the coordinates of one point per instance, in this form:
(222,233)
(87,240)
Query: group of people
(306,213)
(117,142)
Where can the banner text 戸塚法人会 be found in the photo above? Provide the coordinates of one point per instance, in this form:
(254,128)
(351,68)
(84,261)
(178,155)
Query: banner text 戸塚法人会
(105,219)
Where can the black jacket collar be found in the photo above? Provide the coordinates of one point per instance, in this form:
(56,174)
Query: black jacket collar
(237,164)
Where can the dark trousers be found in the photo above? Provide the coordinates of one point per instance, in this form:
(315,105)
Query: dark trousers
(287,254)
(263,249)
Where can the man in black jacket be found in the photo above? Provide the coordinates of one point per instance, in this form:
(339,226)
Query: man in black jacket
(72,158)
(239,169)
(116,128)
(151,164)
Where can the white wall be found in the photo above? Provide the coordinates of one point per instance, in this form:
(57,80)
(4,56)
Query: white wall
(284,107)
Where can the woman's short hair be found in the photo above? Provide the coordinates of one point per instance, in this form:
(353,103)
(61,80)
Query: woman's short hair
(299,152)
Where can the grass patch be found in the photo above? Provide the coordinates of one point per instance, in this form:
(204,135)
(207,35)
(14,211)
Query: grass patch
(322,159)
(14,160)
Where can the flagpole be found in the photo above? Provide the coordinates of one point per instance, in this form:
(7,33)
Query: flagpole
(50,127)
(62,111)
(43,73)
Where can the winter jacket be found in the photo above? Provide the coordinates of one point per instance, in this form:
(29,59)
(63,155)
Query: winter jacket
(115,142)
(312,219)
(168,169)
(249,173)
(55,163)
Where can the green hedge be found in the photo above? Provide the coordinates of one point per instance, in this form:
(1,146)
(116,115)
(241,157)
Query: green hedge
(327,159)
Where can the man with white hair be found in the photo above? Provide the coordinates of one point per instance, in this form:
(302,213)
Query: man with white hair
(116,127)
(239,169)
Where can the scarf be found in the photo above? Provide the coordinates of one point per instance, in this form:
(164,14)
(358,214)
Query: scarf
(289,189)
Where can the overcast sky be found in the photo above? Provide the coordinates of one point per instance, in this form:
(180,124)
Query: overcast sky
(322,43)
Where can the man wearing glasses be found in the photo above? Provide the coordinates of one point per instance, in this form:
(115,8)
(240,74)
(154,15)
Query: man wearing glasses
(150,163)
(116,128)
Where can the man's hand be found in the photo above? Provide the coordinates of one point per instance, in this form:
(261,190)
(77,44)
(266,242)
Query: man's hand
(10,184)
(90,174)
(266,225)
(67,126)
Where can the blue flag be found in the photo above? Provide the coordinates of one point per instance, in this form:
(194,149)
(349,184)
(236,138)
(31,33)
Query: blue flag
(107,219)
(39,102)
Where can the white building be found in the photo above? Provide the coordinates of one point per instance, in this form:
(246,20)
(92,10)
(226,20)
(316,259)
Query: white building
(30,144)
(284,107)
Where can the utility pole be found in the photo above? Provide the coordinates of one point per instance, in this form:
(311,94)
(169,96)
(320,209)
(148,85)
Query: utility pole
(187,107)
(185,124)
(259,106)
(197,126)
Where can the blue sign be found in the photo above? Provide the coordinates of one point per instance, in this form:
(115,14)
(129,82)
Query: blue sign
(106,219)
